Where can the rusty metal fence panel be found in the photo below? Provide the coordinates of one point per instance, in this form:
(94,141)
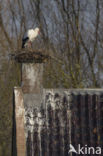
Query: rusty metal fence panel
(87,120)
(71,118)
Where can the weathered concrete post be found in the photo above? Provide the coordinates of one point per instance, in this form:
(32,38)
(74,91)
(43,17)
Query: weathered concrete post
(32,77)
(19,117)
(29,94)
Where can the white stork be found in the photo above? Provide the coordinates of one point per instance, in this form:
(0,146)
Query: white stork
(29,37)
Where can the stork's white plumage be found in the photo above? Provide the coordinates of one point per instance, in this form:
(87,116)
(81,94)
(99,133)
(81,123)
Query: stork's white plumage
(29,37)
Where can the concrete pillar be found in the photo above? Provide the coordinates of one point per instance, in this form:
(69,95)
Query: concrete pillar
(32,75)
(29,94)
(19,117)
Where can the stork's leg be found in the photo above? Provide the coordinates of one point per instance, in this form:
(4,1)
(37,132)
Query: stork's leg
(30,44)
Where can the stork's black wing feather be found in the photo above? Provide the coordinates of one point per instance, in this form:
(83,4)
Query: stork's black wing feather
(24,40)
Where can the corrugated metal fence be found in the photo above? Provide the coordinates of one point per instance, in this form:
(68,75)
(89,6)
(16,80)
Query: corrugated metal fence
(87,120)
(71,118)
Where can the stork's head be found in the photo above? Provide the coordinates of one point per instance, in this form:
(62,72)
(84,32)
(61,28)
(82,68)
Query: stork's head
(37,30)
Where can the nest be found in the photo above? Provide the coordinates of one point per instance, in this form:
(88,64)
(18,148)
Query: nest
(30,57)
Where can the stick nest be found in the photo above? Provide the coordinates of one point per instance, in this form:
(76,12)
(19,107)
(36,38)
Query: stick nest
(30,57)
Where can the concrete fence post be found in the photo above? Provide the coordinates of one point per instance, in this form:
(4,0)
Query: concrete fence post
(19,117)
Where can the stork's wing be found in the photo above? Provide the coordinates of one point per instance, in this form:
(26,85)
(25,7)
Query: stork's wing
(25,35)
(24,40)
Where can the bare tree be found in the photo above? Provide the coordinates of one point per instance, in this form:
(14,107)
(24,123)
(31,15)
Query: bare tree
(71,31)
